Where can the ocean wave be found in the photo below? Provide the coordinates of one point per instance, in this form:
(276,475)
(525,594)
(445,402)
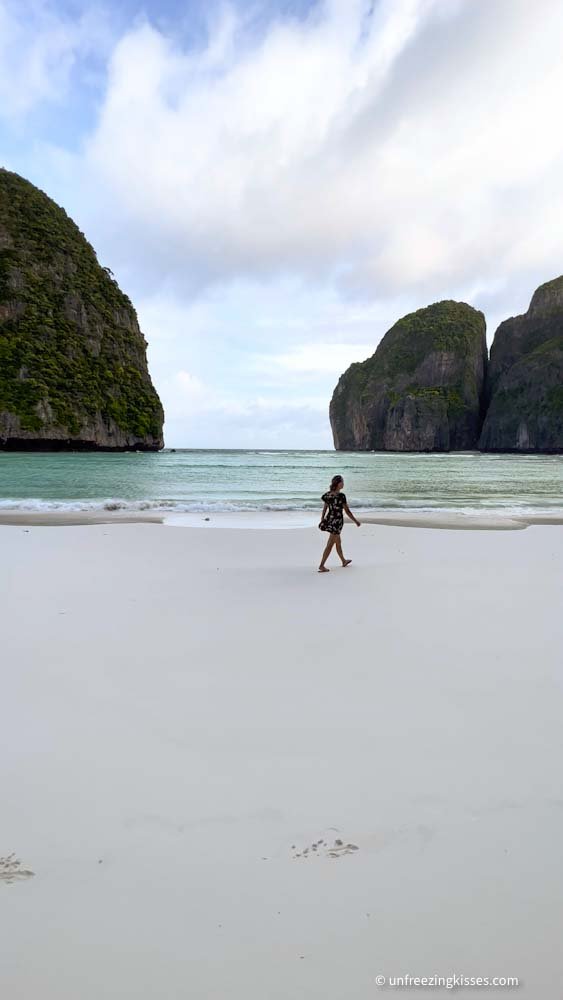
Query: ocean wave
(408,506)
(36,505)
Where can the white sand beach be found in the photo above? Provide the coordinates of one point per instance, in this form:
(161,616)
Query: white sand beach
(191,719)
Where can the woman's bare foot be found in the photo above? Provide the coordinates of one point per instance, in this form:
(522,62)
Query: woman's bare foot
(323,569)
(346,562)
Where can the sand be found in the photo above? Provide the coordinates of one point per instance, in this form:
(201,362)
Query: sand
(234,778)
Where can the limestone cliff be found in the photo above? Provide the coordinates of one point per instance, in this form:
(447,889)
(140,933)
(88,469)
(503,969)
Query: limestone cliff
(422,390)
(525,378)
(73,369)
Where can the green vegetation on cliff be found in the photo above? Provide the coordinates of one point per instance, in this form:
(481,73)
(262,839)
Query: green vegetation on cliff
(423,387)
(443,326)
(72,357)
(525,385)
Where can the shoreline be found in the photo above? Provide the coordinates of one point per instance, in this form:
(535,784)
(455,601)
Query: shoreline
(281,520)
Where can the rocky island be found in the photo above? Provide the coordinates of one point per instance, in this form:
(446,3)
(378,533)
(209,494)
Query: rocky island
(431,387)
(422,390)
(525,378)
(73,367)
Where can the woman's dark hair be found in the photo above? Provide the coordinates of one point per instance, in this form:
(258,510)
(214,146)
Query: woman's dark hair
(336,480)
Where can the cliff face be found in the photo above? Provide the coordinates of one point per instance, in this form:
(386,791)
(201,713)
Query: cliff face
(422,390)
(73,368)
(525,378)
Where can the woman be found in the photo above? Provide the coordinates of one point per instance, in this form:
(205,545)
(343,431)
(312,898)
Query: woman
(332,520)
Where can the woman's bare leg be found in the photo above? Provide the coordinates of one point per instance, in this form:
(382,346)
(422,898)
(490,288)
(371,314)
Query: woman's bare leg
(326,553)
(338,543)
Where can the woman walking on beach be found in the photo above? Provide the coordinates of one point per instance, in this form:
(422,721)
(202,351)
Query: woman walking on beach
(332,520)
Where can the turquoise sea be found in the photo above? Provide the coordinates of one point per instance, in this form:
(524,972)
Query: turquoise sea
(202,480)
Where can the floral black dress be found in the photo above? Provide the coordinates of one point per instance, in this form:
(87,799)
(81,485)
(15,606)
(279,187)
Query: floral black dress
(334,519)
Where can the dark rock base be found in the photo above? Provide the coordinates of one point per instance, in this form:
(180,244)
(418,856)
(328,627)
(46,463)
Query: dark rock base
(24,444)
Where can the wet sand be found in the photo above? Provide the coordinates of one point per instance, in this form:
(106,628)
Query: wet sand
(261,520)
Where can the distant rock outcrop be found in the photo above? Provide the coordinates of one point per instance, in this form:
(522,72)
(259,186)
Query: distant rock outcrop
(422,390)
(525,378)
(73,368)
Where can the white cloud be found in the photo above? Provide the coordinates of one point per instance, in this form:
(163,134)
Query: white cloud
(199,415)
(312,359)
(188,396)
(276,198)
(254,352)
(407,146)
(39,48)
(192,395)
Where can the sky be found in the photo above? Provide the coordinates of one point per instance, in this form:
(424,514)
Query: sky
(275,182)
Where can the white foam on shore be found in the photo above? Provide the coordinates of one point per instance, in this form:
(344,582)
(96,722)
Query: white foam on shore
(404,508)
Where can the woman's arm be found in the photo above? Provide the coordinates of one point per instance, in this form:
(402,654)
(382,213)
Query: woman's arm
(325,508)
(351,516)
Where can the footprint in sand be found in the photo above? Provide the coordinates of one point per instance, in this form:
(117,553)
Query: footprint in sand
(12,870)
(324,849)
